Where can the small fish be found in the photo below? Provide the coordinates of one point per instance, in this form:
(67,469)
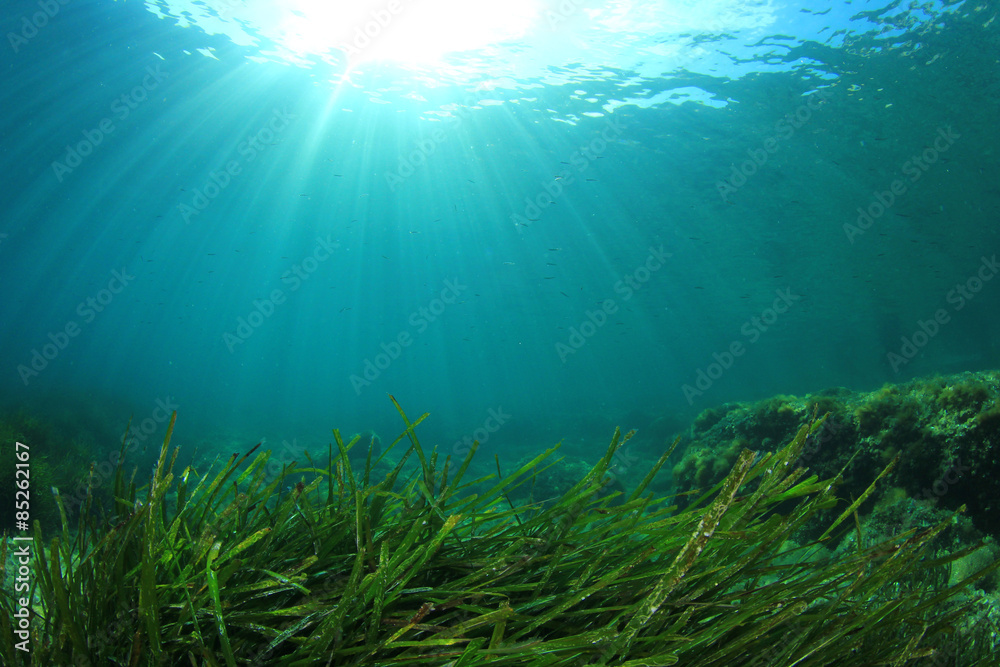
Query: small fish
(554,249)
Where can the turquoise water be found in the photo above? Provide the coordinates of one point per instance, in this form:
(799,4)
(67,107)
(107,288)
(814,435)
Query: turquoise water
(588,214)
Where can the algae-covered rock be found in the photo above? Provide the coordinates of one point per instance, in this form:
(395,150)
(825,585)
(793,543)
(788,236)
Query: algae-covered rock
(944,430)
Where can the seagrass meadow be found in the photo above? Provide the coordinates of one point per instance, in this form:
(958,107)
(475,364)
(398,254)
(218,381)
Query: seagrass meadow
(687,309)
(401,558)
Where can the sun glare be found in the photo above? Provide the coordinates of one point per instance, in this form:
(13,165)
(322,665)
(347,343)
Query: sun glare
(408,32)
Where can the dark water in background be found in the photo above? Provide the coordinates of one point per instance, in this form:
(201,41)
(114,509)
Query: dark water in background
(840,102)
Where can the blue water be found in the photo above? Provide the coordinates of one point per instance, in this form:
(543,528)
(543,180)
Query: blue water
(613,209)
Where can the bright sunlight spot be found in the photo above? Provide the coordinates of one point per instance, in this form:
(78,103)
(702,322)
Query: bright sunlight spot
(408,32)
(467,42)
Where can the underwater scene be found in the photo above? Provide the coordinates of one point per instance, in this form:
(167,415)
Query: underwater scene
(549,333)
